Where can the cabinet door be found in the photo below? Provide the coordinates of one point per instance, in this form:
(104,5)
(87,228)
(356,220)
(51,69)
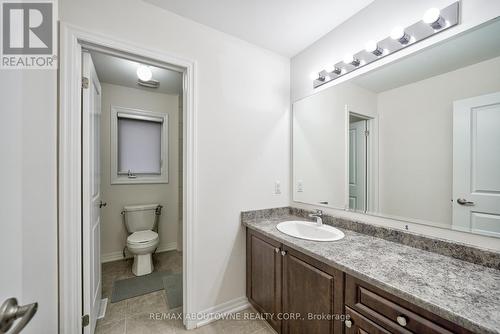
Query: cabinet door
(264,276)
(312,295)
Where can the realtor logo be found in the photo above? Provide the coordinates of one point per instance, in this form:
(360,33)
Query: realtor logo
(28,35)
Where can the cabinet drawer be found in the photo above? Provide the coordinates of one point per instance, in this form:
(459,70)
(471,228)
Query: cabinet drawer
(357,324)
(393,313)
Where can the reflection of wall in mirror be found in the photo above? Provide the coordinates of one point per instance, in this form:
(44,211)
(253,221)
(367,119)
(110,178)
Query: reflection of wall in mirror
(415,141)
(319,142)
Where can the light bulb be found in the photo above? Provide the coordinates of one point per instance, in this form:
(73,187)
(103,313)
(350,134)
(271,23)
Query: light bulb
(349,59)
(433,18)
(399,34)
(330,68)
(144,73)
(313,75)
(372,47)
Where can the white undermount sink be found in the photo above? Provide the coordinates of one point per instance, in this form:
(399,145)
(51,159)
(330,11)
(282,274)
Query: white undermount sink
(310,230)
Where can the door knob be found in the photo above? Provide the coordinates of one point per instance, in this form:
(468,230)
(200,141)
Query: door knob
(348,323)
(463,201)
(102,204)
(10,312)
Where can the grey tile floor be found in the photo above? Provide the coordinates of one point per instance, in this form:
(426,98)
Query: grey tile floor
(133,315)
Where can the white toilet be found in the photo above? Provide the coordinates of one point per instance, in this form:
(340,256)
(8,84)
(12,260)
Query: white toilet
(141,222)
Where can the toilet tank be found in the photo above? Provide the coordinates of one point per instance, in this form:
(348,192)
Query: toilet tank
(140,217)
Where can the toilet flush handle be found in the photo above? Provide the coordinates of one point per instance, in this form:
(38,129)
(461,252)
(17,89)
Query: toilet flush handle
(102,204)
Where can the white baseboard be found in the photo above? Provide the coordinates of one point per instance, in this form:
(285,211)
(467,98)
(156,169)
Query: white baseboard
(115,256)
(211,314)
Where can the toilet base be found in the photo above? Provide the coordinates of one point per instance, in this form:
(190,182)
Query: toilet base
(143,265)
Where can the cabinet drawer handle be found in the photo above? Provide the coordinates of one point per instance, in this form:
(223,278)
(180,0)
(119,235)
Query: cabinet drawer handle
(276,250)
(402,320)
(283,253)
(348,323)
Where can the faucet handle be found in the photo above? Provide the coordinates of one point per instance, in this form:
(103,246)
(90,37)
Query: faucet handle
(317,213)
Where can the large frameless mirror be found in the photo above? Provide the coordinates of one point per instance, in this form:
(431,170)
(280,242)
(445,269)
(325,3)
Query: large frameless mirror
(416,140)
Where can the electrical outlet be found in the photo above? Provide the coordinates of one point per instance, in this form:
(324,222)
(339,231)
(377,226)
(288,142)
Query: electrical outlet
(300,186)
(277,188)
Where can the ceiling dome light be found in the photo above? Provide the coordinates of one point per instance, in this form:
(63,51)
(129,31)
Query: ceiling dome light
(144,73)
(372,47)
(433,18)
(399,34)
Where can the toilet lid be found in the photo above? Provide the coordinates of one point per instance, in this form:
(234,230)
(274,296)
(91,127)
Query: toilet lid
(142,236)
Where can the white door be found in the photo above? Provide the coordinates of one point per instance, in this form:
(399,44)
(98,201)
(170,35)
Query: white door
(357,165)
(476,164)
(91,197)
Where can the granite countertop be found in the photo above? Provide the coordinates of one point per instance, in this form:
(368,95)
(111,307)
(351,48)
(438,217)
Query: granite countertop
(462,292)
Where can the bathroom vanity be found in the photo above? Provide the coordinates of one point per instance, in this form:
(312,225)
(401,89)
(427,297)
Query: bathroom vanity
(364,284)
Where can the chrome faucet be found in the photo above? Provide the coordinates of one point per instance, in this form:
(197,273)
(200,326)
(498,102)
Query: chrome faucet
(318,215)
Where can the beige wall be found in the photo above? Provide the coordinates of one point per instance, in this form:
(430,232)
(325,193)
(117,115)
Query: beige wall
(113,231)
(416,137)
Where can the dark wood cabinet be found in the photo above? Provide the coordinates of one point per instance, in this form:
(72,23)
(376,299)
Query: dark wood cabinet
(264,263)
(312,295)
(305,295)
(357,324)
(393,313)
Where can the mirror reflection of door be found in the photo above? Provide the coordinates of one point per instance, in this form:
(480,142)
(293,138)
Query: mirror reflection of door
(476,165)
(357,163)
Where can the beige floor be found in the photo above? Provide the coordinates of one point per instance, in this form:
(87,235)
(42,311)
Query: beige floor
(133,315)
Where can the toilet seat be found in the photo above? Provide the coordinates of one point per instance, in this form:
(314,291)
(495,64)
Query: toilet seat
(142,238)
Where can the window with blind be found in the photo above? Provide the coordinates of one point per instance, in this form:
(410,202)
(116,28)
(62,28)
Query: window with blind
(139,146)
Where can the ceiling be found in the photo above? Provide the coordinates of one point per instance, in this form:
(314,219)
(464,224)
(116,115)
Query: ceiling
(122,72)
(283,26)
(469,48)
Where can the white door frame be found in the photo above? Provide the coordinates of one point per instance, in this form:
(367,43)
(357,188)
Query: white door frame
(371,204)
(70,172)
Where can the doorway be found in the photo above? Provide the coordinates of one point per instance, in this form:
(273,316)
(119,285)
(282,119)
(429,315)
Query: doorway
(358,162)
(132,190)
(79,296)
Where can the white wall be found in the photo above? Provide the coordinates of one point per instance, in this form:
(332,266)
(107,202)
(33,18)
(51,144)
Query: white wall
(319,141)
(416,141)
(28,238)
(376,22)
(113,231)
(243,128)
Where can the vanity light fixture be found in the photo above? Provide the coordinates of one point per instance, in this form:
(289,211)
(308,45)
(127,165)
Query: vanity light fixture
(317,76)
(374,48)
(400,35)
(144,73)
(433,18)
(337,70)
(433,22)
(349,59)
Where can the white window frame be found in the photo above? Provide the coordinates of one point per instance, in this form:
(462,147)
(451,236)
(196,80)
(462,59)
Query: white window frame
(123,178)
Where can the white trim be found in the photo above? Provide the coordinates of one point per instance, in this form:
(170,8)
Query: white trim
(371,195)
(160,117)
(214,313)
(115,256)
(69,174)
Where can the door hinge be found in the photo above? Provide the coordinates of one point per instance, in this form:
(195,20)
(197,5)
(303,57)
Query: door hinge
(85,320)
(85,82)
(367,133)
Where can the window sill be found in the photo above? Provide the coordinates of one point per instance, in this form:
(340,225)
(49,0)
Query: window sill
(139,180)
